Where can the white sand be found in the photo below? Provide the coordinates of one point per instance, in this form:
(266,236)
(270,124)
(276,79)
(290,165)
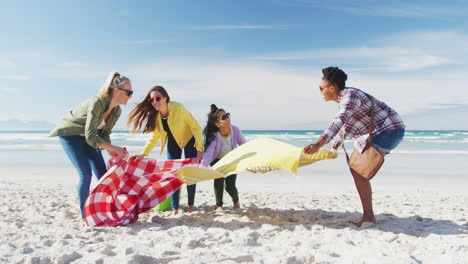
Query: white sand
(283,219)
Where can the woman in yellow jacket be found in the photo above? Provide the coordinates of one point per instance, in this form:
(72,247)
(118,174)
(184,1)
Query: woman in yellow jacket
(171,122)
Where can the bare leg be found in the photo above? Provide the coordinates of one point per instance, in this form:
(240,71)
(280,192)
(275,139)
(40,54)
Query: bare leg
(190,209)
(236,205)
(364,189)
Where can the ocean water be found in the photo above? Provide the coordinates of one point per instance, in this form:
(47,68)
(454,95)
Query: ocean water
(423,152)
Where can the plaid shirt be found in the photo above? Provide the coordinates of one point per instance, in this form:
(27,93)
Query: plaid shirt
(354,117)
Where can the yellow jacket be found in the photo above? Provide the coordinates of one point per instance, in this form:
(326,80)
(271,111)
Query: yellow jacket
(183,127)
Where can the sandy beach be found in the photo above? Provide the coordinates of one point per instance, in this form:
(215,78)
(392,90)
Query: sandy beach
(284,218)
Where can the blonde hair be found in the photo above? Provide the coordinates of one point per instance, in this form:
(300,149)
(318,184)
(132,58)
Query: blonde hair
(114,80)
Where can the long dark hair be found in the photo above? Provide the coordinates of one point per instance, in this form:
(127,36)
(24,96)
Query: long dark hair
(211,127)
(144,114)
(336,76)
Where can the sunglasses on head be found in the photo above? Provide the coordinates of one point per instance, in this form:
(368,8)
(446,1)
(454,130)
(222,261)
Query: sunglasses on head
(225,116)
(117,79)
(155,99)
(129,92)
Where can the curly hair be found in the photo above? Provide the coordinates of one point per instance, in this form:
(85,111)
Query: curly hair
(336,76)
(211,127)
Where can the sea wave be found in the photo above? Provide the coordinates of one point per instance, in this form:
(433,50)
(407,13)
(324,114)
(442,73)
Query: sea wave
(31,146)
(133,149)
(25,136)
(138,149)
(421,141)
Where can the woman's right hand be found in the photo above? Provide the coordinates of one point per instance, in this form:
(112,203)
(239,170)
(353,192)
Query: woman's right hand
(312,148)
(113,150)
(117,151)
(138,157)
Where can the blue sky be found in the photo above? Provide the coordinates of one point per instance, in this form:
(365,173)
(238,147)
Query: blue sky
(261,60)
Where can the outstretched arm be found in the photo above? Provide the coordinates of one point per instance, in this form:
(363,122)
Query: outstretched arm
(312,148)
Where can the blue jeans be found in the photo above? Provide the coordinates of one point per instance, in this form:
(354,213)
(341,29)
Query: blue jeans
(84,158)
(174,152)
(388,140)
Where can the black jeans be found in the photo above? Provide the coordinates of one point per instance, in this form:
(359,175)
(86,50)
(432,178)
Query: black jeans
(228,183)
(174,152)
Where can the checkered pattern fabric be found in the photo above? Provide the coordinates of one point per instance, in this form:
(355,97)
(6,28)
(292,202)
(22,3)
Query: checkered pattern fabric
(131,187)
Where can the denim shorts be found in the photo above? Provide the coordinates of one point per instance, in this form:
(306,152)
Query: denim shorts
(388,140)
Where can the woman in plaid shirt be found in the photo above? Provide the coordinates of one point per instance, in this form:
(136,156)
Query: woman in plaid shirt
(353,120)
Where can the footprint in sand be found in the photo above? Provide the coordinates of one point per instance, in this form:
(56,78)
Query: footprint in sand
(108,251)
(67,258)
(143,259)
(169,253)
(243,259)
(158,219)
(69,215)
(48,243)
(27,250)
(299,259)
(195,244)
(129,251)
(251,239)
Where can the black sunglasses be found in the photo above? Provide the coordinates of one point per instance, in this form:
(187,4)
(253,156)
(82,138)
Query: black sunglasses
(129,93)
(225,116)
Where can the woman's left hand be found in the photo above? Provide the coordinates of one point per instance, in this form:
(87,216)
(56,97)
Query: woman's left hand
(199,156)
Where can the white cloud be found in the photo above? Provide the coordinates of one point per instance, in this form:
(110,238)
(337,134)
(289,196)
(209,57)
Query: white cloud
(259,96)
(145,41)
(411,93)
(266,92)
(392,59)
(238,27)
(8,89)
(272,96)
(440,117)
(446,44)
(405,10)
(6,63)
(16,77)
(409,51)
(408,9)
(73,64)
(124,12)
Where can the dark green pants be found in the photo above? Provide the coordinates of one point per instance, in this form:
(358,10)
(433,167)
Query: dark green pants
(229,183)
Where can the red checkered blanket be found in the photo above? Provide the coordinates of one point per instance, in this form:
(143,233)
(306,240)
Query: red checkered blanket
(131,187)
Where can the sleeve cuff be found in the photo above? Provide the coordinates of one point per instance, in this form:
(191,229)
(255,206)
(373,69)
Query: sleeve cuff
(325,138)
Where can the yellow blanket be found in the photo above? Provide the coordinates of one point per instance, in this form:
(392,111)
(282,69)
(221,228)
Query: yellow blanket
(259,155)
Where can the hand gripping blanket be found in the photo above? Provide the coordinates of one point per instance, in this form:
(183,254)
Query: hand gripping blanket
(259,155)
(131,187)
